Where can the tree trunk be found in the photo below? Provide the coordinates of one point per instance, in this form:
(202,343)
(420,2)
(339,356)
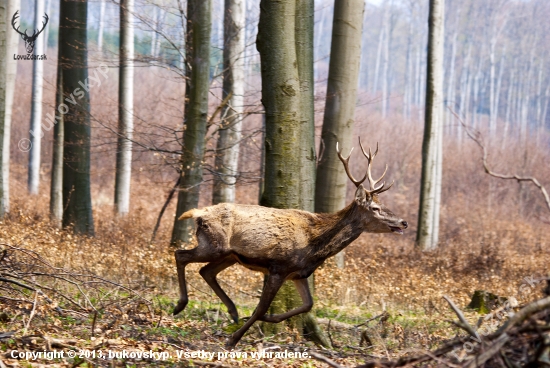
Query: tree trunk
(492,68)
(408,70)
(426,237)
(36,132)
(101,26)
(125,109)
(77,200)
(199,28)
(318,37)
(154,35)
(451,80)
(227,158)
(8,69)
(47,29)
(509,102)
(56,186)
(382,38)
(287,95)
(499,88)
(539,96)
(386,62)
(341,97)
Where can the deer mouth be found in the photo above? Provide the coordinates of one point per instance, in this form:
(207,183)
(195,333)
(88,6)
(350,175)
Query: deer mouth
(395,229)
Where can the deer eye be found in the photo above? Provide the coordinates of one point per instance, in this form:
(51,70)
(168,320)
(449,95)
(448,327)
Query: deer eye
(376,209)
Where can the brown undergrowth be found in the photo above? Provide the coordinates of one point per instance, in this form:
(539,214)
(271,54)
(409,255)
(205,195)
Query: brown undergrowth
(116,290)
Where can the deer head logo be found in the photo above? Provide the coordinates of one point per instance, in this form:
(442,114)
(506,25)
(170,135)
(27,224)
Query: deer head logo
(29,40)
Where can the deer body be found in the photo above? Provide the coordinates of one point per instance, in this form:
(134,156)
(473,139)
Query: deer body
(284,244)
(259,237)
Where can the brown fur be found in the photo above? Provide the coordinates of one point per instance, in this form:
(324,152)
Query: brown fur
(284,244)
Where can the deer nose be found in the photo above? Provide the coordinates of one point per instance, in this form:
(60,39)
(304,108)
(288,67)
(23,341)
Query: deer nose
(405,224)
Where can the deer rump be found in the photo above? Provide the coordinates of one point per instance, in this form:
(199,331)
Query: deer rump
(259,238)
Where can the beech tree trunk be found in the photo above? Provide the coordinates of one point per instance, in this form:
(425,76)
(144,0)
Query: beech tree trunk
(8,69)
(125,109)
(199,26)
(101,25)
(428,222)
(56,186)
(36,132)
(285,43)
(339,118)
(227,158)
(77,200)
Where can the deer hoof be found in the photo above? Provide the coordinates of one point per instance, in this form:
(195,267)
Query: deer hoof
(181,306)
(235,317)
(230,343)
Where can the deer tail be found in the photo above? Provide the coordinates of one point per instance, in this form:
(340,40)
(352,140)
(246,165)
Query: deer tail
(187,215)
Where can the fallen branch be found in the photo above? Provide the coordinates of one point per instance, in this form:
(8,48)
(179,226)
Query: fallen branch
(383,314)
(493,349)
(325,360)
(463,322)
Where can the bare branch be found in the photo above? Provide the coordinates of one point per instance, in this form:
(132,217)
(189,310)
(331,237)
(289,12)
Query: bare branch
(476,137)
(463,322)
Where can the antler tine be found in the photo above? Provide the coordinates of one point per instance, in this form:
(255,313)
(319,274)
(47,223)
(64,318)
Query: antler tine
(370,158)
(345,161)
(382,177)
(382,189)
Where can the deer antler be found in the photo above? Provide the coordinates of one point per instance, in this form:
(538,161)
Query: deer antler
(13,19)
(345,161)
(370,157)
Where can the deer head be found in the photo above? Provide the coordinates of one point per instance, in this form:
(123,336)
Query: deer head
(377,217)
(29,40)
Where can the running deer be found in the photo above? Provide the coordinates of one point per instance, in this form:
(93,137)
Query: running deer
(284,244)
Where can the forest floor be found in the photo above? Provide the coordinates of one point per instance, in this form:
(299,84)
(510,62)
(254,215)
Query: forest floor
(106,301)
(114,298)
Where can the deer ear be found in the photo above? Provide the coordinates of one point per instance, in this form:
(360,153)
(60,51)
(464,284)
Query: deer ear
(362,197)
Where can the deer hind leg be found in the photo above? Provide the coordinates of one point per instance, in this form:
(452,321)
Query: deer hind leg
(272,285)
(183,258)
(209,273)
(303,289)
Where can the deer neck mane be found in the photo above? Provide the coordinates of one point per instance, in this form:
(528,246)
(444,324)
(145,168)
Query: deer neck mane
(336,231)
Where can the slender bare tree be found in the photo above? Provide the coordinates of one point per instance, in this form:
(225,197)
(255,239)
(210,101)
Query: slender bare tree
(56,186)
(227,159)
(36,132)
(287,95)
(125,109)
(8,69)
(341,97)
(428,222)
(101,25)
(199,26)
(73,40)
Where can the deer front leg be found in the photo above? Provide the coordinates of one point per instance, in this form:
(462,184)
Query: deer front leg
(303,289)
(272,285)
(183,258)
(181,262)
(209,273)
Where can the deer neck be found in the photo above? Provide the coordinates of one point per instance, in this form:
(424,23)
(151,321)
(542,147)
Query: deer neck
(337,230)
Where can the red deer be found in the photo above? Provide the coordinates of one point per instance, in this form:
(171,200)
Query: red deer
(284,244)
